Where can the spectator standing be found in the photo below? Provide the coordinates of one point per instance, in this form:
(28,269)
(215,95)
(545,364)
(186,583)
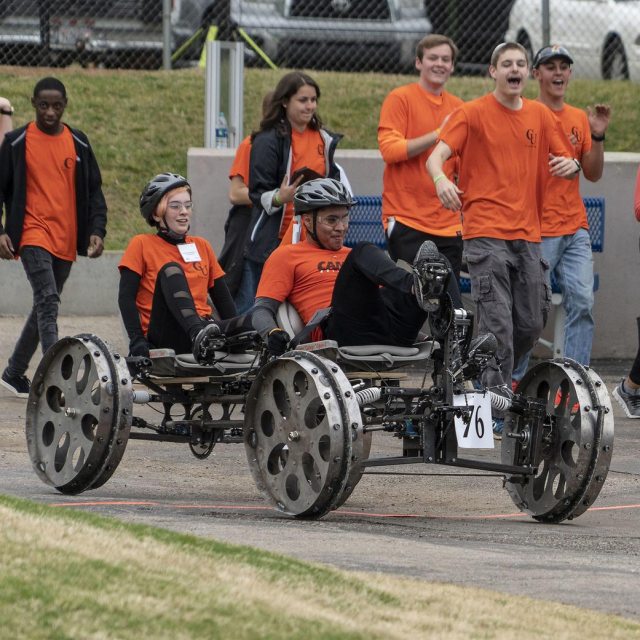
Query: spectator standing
(627,393)
(237,225)
(503,141)
(411,118)
(6,114)
(290,137)
(566,245)
(51,190)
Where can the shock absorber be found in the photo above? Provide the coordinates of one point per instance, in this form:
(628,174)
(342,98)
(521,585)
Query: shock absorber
(367,396)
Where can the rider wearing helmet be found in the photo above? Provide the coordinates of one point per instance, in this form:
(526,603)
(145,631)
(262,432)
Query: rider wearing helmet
(372,300)
(165,278)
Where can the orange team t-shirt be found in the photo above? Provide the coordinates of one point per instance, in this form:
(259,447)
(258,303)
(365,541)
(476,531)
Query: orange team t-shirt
(409,194)
(563,210)
(50,219)
(240,166)
(146,254)
(501,152)
(307,150)
(302,273)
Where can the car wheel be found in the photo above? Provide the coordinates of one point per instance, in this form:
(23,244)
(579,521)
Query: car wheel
(614,64)
(523,39)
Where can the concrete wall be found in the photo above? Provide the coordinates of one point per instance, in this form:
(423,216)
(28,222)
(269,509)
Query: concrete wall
(92,287)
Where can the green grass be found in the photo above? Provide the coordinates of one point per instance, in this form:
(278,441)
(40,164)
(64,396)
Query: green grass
(143,122)
(70,574)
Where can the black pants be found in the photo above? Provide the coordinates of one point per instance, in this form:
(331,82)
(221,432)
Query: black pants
(405,242)
(47,275)
(373,302)
(174,320)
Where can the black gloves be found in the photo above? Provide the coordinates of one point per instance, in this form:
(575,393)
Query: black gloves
(277,342)
(139,347)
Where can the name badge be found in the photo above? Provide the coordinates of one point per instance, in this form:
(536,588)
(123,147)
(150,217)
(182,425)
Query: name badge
(189,252)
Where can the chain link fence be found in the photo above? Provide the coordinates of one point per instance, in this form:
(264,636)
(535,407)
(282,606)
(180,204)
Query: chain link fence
(352,35)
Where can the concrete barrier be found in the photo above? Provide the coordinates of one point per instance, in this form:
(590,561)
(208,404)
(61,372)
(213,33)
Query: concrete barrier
(92,286)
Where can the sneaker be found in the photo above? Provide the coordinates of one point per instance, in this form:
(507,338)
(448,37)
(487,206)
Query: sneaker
(19,385)
(498,428)
(630,402)
(430,276)
(205,341)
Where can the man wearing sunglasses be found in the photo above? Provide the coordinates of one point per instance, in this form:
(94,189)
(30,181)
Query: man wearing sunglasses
(372,300)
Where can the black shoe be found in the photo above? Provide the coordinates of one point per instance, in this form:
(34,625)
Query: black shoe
(205,342)
(19,385)
(430,276)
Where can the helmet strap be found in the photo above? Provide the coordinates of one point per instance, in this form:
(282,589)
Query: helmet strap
(169,235)
(313,232)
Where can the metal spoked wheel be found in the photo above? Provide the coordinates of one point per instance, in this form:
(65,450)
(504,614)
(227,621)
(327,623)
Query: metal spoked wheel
(78,414)
(576,446)
(300,415)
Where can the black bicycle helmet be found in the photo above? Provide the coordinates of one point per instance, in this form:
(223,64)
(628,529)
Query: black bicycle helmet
(155,189)
(321,193)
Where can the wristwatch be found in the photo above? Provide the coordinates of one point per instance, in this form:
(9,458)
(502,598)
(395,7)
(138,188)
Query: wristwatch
(7,112)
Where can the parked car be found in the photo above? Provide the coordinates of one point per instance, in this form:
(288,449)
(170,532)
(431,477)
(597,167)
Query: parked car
(602,35)
(327,34)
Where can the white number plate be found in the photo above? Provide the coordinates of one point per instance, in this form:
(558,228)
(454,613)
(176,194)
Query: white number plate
(478,432)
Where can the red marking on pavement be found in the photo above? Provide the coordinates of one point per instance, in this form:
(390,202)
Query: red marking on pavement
(106,503)
(621,506)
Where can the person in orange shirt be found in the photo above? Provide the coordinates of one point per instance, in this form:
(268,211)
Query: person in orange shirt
(165,278)
(502,141)
(290,138)
(51,190)
(236,227)
(373,301)
(410,121)
(566,245)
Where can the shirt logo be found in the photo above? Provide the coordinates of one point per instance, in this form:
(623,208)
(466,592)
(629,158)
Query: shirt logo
(329,265)
(532,137)
(68,163)
(576,136)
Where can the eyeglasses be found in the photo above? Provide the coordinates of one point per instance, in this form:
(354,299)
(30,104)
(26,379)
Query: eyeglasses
(176,207)
(332,221)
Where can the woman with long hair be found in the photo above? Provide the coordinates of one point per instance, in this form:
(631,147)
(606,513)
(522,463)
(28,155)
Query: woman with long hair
(290,138)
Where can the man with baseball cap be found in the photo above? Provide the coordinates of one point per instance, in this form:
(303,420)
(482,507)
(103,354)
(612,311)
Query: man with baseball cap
(565,237)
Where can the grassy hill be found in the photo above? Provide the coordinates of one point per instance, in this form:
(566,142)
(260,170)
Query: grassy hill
(143,122)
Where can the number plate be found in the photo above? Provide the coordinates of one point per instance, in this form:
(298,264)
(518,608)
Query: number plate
(477,433)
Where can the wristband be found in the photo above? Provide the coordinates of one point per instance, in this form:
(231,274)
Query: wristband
(7,112)
(578,165)
(276,198)
(438,178)
(597,138)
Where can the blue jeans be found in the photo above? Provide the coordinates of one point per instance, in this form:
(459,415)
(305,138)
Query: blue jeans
(571,261)
(246,296)
(47,275)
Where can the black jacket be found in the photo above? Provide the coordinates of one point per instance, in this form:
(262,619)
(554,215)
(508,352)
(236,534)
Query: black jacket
(270,162)
(91,208)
